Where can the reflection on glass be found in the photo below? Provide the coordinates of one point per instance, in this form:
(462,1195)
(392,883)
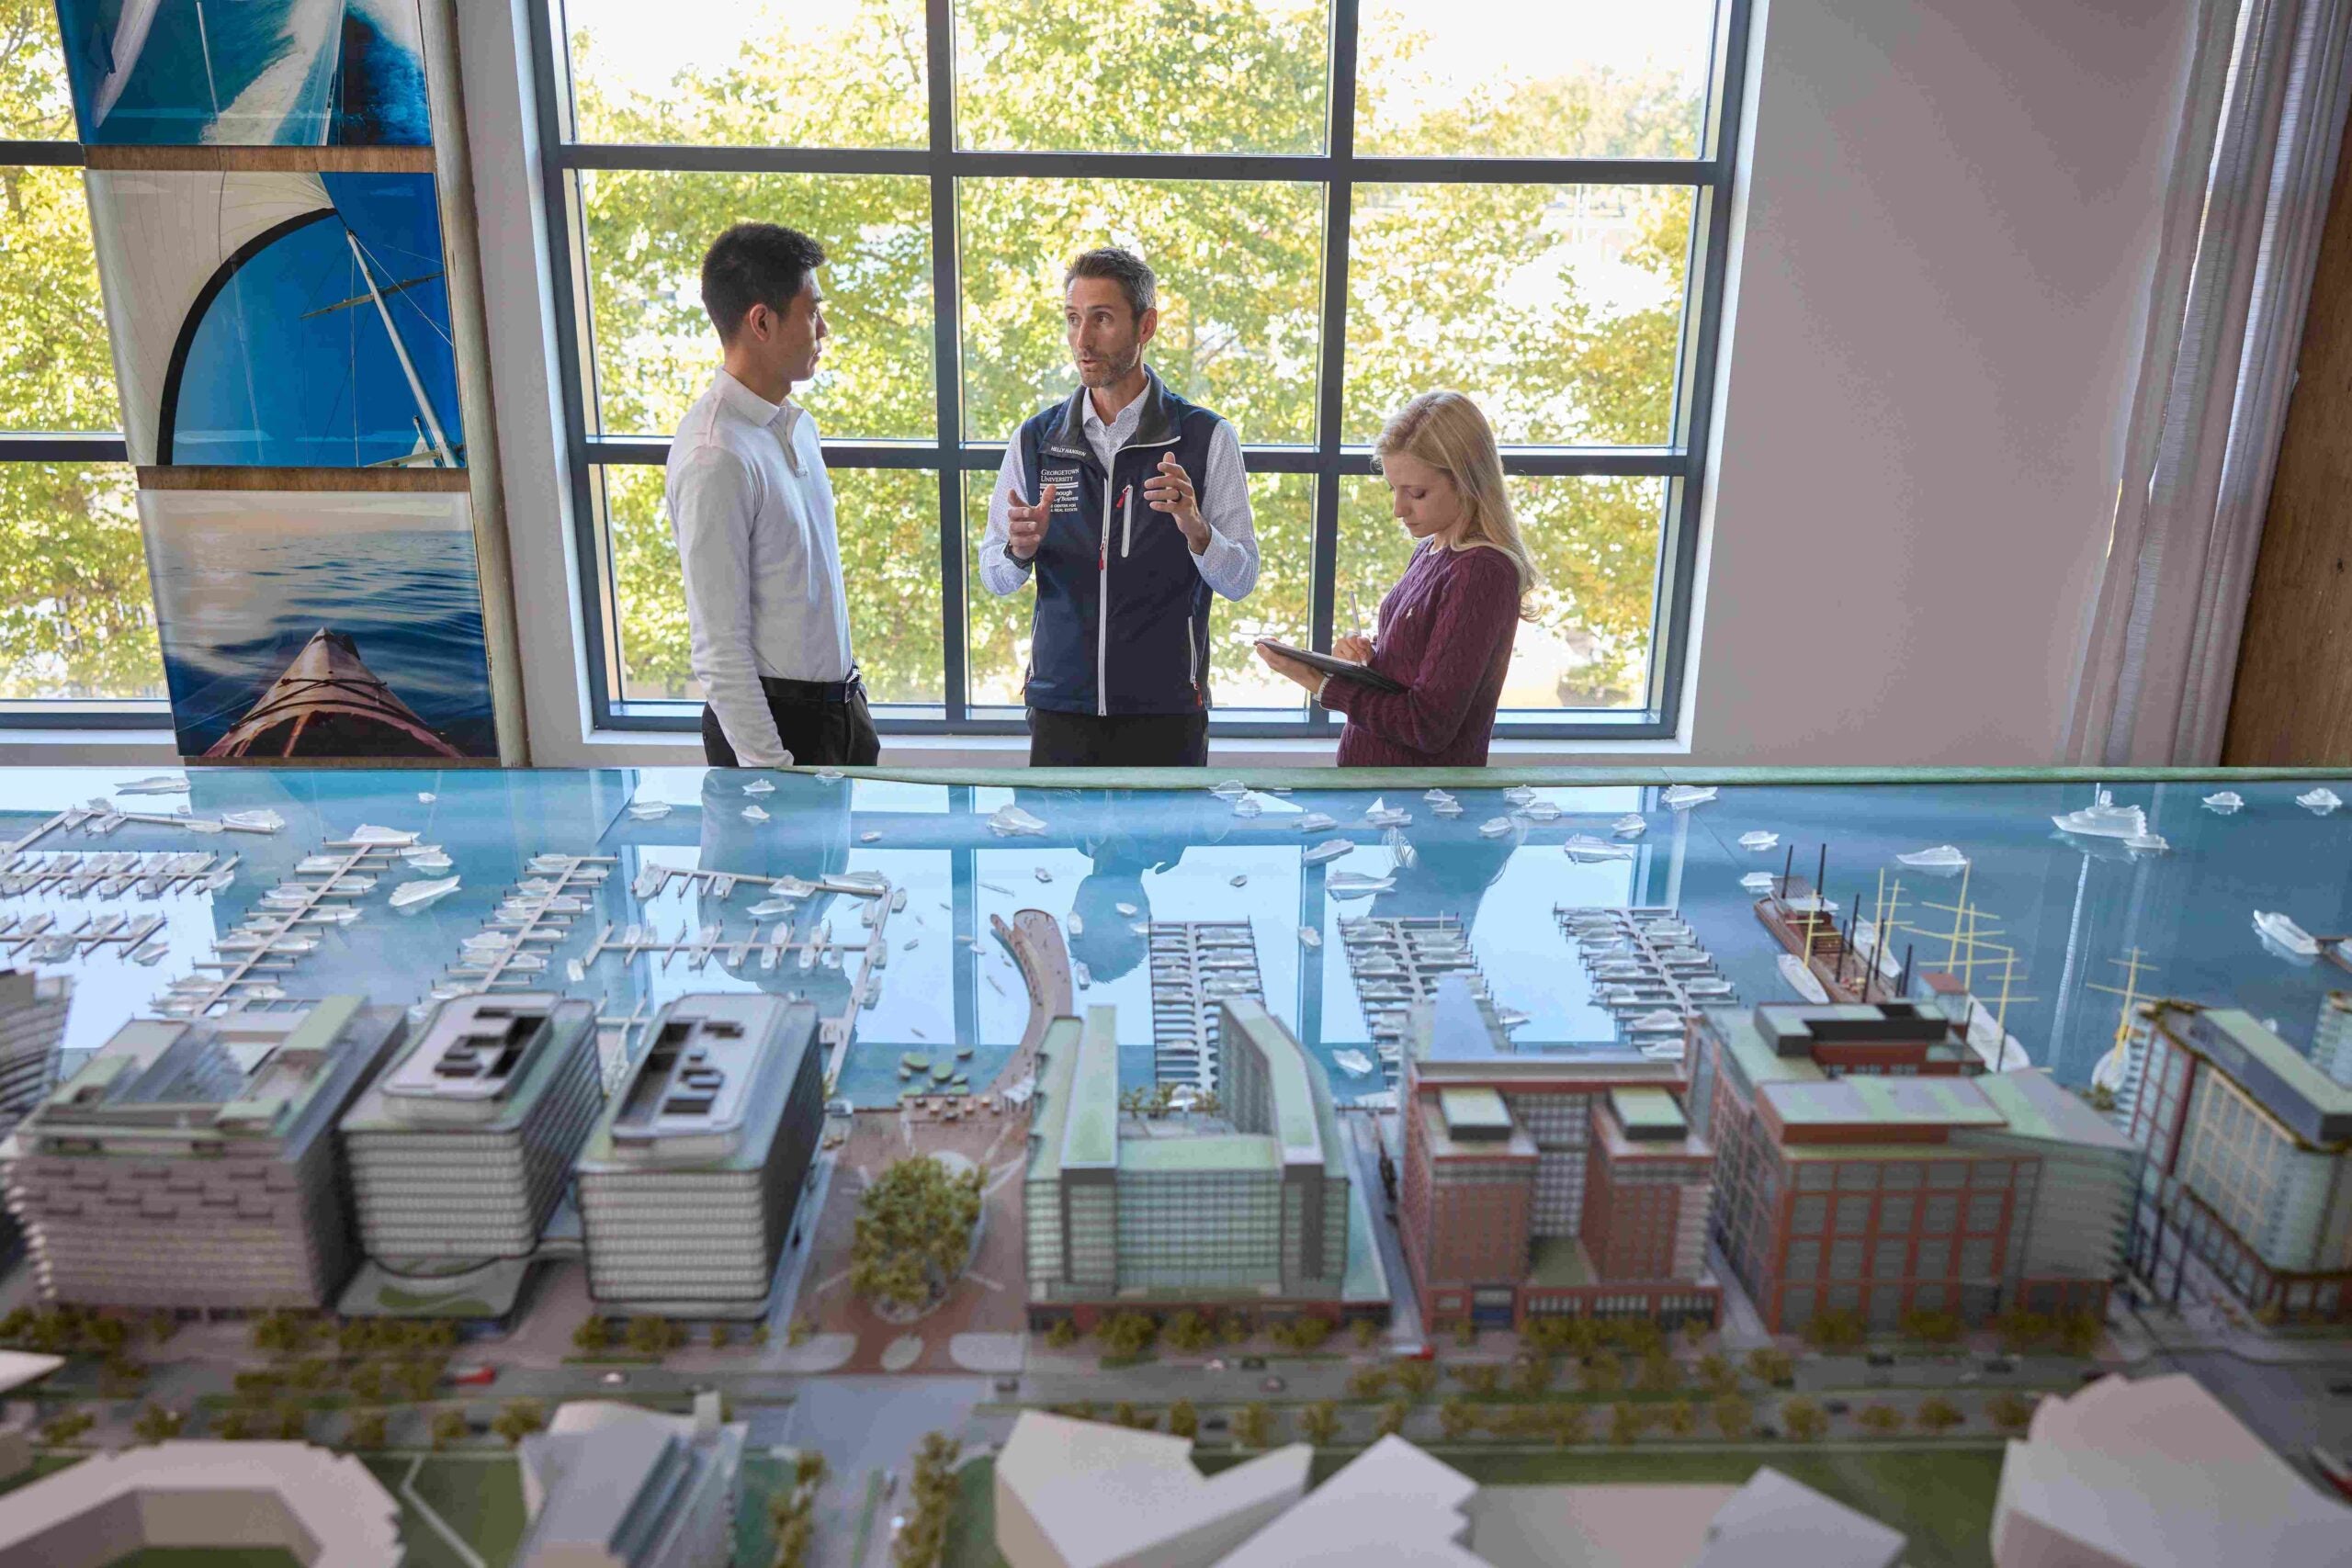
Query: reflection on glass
(1595,540)
(1559,308)
(35,105)
(748,72)
(56,372)
(890,549)
(1203,76)
(1501,78)
(1241,293)
(78,623)
(651,343)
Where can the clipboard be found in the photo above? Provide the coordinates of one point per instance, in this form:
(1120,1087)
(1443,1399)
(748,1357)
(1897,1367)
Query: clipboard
(1342,669)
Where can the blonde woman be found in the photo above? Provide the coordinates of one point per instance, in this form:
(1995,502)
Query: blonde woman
(1444,631)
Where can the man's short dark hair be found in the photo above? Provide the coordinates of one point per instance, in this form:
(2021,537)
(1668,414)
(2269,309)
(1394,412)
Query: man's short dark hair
(755,264)
(1122,267)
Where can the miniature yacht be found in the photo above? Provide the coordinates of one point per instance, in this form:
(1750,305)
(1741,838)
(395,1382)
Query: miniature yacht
(2104,820)
(2225,802)
(2277,927)
(2320,800)
(1942,857)
(1682,797)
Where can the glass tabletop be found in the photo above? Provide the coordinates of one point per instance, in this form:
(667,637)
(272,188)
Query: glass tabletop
(2051,930)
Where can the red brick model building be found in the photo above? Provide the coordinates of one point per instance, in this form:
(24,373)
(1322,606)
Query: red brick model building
(1546,1182)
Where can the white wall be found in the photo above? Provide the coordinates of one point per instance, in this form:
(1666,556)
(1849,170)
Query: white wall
(1942,247)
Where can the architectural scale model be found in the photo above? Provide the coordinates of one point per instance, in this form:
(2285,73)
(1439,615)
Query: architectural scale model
(315,1505)
(192,1163)
(1647,966)
(1396,963)
(1537,1182)
(32,1021)
(1195,965)
(688,1181)
(614,1485)
(1252,1205)
(1865,1166)
(248,963)
(463,1143)
(2248,1190)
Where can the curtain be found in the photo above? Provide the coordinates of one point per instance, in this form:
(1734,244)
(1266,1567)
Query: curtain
(2268,85)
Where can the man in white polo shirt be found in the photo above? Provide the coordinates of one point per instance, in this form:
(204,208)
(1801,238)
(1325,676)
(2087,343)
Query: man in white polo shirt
(752,511)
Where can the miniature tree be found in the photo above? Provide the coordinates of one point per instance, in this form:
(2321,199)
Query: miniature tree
(1063,1334)
(519,1419)
(2080,1332)
(292,1420)
(1367,1382)
(366,1382)
(1602,1373)
(1880,1420)
(161,1326)
(1804,1421)
(1183,1421)
(1932,1327)
(157,1424)
(1253,1426)
(1937,1414)
(792,1536)
(1465,1333)
(1659,1373)
(1365,1331)
(367,1430)
(234,1425)
(760,1335)
(2021,1331)
(649,1336)
(1682,1418)
(1190,1332)
(1734,1417)
(313,1373)
(913,1233)
(1717,1376)
(718,1336)
(1694,1332)
(1566,1425)
(2010,1411)
(1835,1331)
(592,1335)
(1125,1413)
(1237,1327)
(1457,1419)
(1767,1364)
(1320,1423)
(419,1378)
(448,1426)
(796,1332)
(1392,1417)
(1478,1377)
(119,1377)
(1625,1422)
(1417,1379)
(1127,1335)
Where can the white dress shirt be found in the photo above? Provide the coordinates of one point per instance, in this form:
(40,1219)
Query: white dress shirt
(752,511)
(1230,564)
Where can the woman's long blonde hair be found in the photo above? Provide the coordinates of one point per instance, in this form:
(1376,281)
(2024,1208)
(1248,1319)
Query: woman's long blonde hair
(1446,431)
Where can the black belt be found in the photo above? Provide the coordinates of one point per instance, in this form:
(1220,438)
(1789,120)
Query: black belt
(835,691)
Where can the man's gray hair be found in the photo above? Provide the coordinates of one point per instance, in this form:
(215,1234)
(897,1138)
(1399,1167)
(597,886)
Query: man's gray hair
(1122,267)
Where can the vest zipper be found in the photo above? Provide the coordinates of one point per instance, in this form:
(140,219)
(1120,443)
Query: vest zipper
(1128,536)
(1103,604)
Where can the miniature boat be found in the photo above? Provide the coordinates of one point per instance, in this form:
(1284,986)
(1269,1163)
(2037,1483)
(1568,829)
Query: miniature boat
(1127,909)
(871,836)
(1006,821)
(1446,808)
(760,786)
(1656,1022)
(1943,857)
(2320,800)
(263,820)
(1082,974)
(1249,805)
(1076,923)
(1758,881)
(419,851)
(754,813)
(1759,840)
(2223,802)
(2104,820)
(1437,797)
(1401,850)
(327,702)
(1353,1063)
(1044,876)
(1328,849)
(1541,811)
(161,783)
(1317,822)
(1309,937)
(436,861)
(1241,879)
(2277,927)
(1494,828)
(649,810)
(1354,884)
(1630,826)
(1377,814)
(1518,794)
(2148,844)
(1231,789)
(1586,849)
(1804,981)
(415,895)
(388,838)
(1682,797)
(829,776)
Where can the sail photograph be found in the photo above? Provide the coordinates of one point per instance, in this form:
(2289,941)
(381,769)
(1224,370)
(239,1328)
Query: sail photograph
(246,73)
(286,320)
(300,626)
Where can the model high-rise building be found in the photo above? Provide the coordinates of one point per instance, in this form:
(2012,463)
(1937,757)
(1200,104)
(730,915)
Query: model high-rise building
(193,1163)
(463,1143)
(689,1178)
(32,1022)
(2248,1185)
(610,1485)
(1538,1181)
(1864,1168)
(1250,1206)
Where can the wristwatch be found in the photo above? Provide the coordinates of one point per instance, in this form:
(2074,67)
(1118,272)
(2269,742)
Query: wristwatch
(1320,684)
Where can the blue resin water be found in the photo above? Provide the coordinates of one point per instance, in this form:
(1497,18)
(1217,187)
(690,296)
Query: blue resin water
(2059,914)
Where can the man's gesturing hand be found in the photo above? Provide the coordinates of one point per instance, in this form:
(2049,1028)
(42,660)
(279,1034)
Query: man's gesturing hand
(1025,525)
(1170,489)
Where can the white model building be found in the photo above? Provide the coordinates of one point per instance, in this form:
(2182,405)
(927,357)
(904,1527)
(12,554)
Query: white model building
(317,1507)
(32,1022)
(2156,1474)
(611,1485)
(688,1181)
(192,1163)
(461,1146)
(1081,1494)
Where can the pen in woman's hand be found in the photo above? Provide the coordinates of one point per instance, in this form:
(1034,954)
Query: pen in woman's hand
(1355,610)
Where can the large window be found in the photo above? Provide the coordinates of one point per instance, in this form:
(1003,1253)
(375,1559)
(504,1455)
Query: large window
(1347,201)
(77,625)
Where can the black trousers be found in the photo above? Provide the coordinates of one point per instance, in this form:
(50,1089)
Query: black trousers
(1118,741)
(816,730)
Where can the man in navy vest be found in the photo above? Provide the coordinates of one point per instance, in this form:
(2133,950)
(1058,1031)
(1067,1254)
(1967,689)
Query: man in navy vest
(1129,507)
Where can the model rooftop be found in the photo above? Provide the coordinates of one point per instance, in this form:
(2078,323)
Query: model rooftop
(710,1087)
(2309,1102)
(479,1063)
(248,1075)
(1456,1035)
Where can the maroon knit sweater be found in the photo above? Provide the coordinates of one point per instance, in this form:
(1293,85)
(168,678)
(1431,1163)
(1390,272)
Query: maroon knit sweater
(1445,634)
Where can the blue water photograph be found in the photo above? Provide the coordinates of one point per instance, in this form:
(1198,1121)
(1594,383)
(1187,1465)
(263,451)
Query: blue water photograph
(279,319)
(246,73)
(320,627)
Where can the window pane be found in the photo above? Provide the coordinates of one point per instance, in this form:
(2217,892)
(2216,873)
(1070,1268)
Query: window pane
(34,103)
(1166,77)
(77,620)
(56,372)
(1501,78)
(744,73)
(996,634)
(1559,308)
(1595,542)
(887,521)
(1240,291)
(653,346)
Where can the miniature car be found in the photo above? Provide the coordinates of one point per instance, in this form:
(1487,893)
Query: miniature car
(1271,1385)
(1253,1363)
(613,1379)
(1217,1364)
(474,1376)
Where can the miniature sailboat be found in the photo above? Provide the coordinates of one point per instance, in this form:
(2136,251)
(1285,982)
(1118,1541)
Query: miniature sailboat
(1758,840)
(1803,980)
(2319,801)
(1007,821)
(1586,849)
(1315,822)
(1942,857)
(1758,881)
(327,702)
(2104,820)
(417,894)
(2285,933)
(1682,797)
(1494,828)
(1380,815)
(1353,1063)
(1328,849)
(1630,826)
(2225,802)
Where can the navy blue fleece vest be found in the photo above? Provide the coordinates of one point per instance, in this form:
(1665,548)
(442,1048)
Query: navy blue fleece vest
(1122,622)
